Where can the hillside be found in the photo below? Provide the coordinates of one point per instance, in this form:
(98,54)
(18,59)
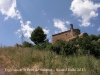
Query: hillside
(29,61)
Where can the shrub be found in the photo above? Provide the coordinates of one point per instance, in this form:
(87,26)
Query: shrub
(93,37)
(84,43)
(58,46)
(95,48)
(26,44)
(89,44)
(70,48)
(63,47)
(43,45)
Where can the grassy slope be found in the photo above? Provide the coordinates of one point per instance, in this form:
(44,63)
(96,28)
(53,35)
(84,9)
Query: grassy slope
(17,58)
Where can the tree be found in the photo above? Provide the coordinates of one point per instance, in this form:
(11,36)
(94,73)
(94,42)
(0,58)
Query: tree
(94,37)
(98,36)
(38,36)
(84,43)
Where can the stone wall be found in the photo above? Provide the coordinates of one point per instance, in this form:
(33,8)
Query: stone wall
(76,32)
(65,35)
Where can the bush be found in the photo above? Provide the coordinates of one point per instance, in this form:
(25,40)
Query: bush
(63,47)
(26,44)
(70,48)
(43,45)
(95,48)
(58,46)
(81,46)
(84,43)
(88,44)
(94,37)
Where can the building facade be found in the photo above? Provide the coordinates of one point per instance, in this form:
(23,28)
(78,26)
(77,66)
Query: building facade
(67,35)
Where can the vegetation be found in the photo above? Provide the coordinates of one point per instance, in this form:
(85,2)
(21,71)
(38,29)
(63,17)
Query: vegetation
(81,55)
(26,44)
(43,45)
(23,58)
(38,36)
(63,47)
(83,46)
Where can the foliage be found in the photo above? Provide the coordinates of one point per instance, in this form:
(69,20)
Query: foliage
(95,48)
(70,48)
(89,44)
(28,57)
(38,36)
(26,44)
(80,46)
(94,37)
(98,36)
(58,46)
(84,43)
(43,45)
(63,47)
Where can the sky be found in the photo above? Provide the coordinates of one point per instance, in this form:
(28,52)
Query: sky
(19,17)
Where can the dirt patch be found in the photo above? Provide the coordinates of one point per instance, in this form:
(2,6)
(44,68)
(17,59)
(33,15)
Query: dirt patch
(2,70)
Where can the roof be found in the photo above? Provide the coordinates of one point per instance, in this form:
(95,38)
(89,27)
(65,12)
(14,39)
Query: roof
(64,32)
(61,33)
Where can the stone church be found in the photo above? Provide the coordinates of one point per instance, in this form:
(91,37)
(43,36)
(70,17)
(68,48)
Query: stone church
(68,35)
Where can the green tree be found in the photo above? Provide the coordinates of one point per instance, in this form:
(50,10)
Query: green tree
(38,36)
(94,37)
(98,36)
(84,43)
(95,48)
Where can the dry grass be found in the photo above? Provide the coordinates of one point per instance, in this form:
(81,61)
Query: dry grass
(23,58)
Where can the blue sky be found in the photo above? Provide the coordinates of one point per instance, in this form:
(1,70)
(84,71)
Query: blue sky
(54,16)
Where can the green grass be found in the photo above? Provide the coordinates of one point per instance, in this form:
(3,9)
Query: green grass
(17,58)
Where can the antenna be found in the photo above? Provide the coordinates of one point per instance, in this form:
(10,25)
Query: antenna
(22,38)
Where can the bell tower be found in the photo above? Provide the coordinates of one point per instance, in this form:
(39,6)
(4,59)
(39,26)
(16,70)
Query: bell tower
(71,29)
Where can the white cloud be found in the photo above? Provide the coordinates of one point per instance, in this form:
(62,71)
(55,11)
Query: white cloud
(98,29)
(85,9)
(67,22)
(9,9)
(26,29)
(46,31)
(60,25)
